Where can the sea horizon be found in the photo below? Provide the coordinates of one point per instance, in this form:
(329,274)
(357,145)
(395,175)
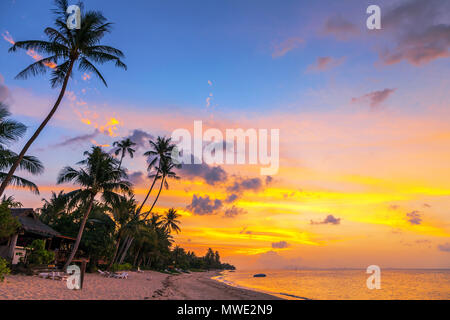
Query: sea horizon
(343,284)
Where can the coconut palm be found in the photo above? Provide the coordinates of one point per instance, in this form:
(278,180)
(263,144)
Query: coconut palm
(165,172)
(64,50)
(160,150)
(124,147)
(52,209)
(170,222)
(11,131)
(123,214)
(98,175)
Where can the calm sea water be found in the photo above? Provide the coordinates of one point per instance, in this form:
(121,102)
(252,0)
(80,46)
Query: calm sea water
(344,284)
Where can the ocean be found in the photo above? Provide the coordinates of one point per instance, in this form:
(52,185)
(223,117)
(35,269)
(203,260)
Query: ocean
(396,284)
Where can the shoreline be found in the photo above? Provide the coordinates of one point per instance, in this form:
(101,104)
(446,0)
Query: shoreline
(149,285)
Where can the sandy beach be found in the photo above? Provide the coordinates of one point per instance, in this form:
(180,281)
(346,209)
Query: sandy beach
(149,285)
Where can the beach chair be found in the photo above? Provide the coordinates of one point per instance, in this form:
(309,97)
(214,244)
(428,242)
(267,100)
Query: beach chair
(123,275)
(104,273)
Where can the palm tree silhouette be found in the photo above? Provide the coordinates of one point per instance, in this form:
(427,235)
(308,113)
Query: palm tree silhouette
(165,172)
(64,50)
(160,151)
(170,222)
(11,131)
(124,147)
(123,216)
(98,175)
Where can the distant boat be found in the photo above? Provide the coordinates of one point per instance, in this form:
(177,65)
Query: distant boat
(259,275)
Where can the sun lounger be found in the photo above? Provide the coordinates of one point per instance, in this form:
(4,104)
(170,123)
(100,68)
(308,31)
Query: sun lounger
(122,275)
(53,275)
(104,273)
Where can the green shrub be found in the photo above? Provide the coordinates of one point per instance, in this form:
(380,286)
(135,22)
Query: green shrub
(38,253)
(4,270)
(119,267)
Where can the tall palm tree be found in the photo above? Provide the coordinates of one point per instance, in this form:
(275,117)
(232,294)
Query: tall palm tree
(98,175)
(170,222)
(64,50)
(165,172)
(125,146)
(160,150)
(11,131)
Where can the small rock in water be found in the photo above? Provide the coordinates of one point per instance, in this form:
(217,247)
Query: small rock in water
(259,275)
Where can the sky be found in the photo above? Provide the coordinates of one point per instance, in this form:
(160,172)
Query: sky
(363,118)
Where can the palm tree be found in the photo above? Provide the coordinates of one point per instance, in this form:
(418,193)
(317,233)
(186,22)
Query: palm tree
(124,147)
(52,209)
(11,131)
(170,222)
(160,150)
(98,175)
(122,213)
(65,49)
(11,202)
(165,172)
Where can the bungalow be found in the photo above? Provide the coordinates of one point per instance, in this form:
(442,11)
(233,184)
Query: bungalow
(32,228)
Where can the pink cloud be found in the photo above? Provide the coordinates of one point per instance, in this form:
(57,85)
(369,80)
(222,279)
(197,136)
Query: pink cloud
(285,46)
(374,98)
(325,63)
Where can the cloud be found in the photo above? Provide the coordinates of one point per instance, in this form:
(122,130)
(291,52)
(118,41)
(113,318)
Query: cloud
(285,46)
(204,205)
(324,64)
(211,175)
(137,177)
(340,27)
(280,245)
(231,198)
(233,212)
(414,217)
(330,219)
(4,91)
(78,139)
(140,137)
(374,98)
(445,247)
(243,184)
(421,30)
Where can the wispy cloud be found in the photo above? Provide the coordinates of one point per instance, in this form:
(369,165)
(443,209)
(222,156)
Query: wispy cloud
(374,98)
(33,54)
(340,27)
(324,64)
(280,49)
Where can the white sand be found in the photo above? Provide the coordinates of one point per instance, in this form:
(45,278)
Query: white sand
(149,285)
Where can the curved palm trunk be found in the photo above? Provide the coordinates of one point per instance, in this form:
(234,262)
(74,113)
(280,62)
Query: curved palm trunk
(121,159)
(154,202)
(37,132)
(116,250)
(156,199)
(124,254)
(80,233)
(149,191)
